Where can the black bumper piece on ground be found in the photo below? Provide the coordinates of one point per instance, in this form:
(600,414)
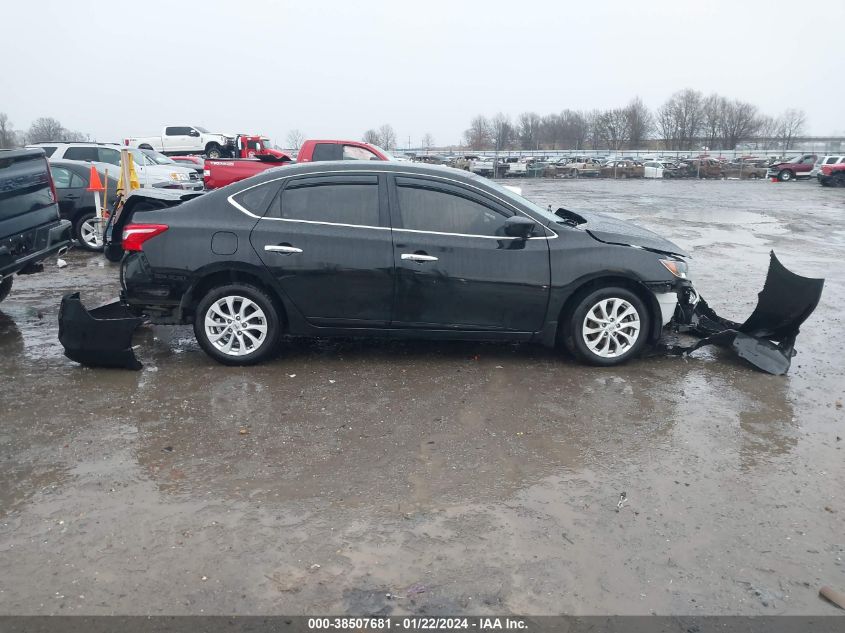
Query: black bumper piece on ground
(767,338)
(101,337)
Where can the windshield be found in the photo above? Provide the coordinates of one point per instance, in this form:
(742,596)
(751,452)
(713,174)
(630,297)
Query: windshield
(511,196)
(157,158)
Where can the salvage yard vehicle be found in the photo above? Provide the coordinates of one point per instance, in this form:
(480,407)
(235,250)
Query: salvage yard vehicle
(186,139)
(76,203)
(150,173)
(219,173)
(31,229)
(798,167)
(744,170)
(825,160)
(653,169)
(410,251)
(832,175)
(576,167)
(621,169)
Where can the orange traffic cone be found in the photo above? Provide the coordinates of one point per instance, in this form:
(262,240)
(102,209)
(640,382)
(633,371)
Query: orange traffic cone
(94,183)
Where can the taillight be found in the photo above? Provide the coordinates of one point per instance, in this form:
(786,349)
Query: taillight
(134,235)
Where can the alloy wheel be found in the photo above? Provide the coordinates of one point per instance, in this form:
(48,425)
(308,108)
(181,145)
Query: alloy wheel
(235,325)
(611,327)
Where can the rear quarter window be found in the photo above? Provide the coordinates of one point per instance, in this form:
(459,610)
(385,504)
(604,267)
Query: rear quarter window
(327,151)
(256,199)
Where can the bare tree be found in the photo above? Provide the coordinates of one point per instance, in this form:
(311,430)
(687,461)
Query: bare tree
(615,126)
(594,128)
(387,136)
(680,119)
(502,132)
(45,129)
(739,122)
(767,130)
(575,129)
(791,124)
(294,139)
(480,134)
(713,112)
(529,130)
(371,136)
(640,122)
(8,136)
(427,141)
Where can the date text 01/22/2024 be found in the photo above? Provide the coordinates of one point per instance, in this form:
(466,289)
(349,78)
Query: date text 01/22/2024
(417,623)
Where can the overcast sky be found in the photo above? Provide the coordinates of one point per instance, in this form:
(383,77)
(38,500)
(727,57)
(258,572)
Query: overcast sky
(335,68)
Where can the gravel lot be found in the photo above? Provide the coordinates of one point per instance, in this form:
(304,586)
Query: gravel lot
(460,478)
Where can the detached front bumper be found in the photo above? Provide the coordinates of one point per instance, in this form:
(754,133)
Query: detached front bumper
(766,339)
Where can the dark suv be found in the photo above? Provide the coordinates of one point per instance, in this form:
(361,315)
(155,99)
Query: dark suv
(30,227)
(386,249)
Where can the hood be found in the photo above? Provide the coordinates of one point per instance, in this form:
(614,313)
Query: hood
(604,228)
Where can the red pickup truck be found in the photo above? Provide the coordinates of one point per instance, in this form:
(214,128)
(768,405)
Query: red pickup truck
(798,167)
(219,173)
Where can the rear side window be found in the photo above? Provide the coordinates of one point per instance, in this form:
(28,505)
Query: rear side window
(61,177)
(256,199)
(437,211)
(81,153)
(337,203)
(327,151)
(832,160)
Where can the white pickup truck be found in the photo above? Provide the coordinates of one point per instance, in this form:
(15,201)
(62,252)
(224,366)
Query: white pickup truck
(186,139)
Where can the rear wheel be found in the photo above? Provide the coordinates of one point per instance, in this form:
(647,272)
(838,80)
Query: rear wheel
(607,327)
(89,232)
(838,180)
(237,324)
(5,287)
(786,175)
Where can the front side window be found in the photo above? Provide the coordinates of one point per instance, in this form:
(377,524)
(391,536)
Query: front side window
(832,160)
(440,212)
(177,131)
(108,155)
(336,203)
(809,160)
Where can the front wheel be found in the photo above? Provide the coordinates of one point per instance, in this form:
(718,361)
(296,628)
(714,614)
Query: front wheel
(5,287)
(785,175)
(237,324)
(607,327)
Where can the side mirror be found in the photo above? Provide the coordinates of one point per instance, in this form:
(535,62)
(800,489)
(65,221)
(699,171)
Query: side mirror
(193,133)
(519,226)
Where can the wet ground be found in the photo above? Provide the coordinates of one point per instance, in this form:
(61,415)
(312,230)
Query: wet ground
(458,478)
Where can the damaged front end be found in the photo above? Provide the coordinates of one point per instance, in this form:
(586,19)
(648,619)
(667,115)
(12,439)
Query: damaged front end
(767,338)
(100,337)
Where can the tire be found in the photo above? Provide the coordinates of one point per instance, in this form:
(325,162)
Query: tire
(607,347)
(232,299)
(785,175)
(753,176)
(213,150)
(5,287)
(838,180)
(84,229)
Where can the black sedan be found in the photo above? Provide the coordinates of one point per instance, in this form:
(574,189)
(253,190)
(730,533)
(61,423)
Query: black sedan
(76,203)
(397,250)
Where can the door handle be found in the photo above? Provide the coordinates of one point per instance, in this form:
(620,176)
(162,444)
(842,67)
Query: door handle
(415,257)
(275,248)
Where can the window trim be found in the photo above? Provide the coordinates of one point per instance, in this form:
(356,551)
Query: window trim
(550,234)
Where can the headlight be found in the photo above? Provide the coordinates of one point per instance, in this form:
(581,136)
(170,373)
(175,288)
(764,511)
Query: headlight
(676,267)
(178,176)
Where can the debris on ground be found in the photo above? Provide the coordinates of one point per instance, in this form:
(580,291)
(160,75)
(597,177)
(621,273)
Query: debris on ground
(623,497)
(836,597)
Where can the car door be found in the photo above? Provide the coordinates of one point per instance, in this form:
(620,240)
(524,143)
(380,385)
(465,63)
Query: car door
(70,190)
(326,239)
(177,139)
(455,267)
